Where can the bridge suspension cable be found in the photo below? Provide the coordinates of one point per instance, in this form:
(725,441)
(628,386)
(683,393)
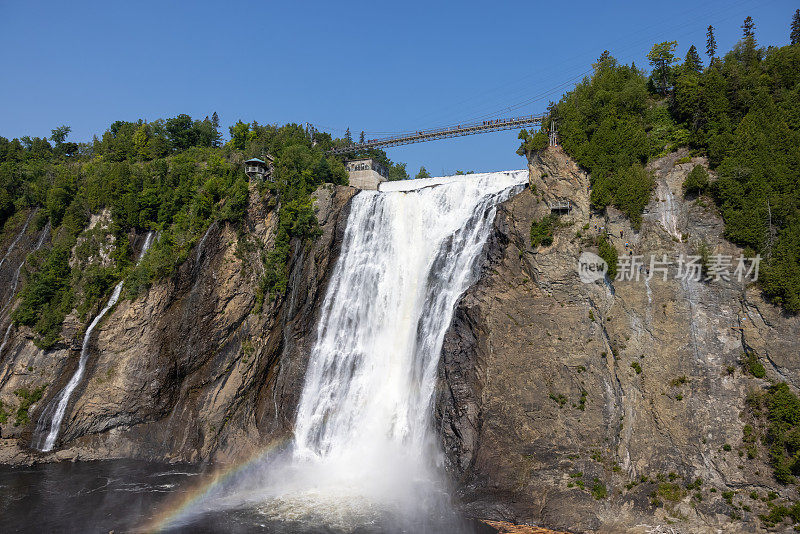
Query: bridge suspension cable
(460,130)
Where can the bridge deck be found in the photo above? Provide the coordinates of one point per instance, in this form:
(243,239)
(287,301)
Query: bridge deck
(420,136)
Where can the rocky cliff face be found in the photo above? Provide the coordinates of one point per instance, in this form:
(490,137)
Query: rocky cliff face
(583,407)
(188,370)
(596,407)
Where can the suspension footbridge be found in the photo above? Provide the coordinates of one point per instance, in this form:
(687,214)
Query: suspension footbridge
(421,136)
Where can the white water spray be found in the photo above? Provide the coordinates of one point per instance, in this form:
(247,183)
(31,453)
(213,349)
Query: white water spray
(364,451)
(44,437)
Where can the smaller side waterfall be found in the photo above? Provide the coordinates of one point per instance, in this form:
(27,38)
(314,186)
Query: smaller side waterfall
(44,437)
(15,281)
(5,338)
(19,236)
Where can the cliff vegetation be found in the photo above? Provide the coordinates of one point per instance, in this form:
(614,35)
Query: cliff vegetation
(741,111)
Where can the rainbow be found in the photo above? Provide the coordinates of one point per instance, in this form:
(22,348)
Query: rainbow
(182,505)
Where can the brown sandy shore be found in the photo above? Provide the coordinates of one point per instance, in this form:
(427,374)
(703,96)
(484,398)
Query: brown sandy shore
(504,527)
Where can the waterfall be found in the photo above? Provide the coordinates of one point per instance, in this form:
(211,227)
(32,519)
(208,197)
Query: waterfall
(44,437)
(667,209)
(364,451)
(406,258)
(15,281)
(5,338)
(19,236)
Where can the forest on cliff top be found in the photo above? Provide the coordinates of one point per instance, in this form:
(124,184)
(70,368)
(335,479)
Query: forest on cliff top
(741,111)
(174,176)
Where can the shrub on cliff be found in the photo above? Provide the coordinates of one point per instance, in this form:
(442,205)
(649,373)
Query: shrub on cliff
(696,181)
(608,252)
(542,231)
(777,414)
(532,142)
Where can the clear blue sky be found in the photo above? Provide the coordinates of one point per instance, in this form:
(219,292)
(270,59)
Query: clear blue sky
(375,66)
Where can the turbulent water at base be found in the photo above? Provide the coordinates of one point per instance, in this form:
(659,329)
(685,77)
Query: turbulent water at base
(365,456)
(46,433)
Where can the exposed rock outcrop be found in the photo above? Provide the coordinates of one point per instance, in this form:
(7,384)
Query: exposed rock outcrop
(574,405)
(187,370)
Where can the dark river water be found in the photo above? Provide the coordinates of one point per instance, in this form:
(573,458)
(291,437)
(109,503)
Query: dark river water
(129,496)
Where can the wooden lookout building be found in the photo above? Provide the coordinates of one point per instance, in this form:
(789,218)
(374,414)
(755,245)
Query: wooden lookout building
(259,169)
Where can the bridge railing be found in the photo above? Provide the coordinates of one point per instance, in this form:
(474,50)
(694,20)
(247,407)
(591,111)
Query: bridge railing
(443,133)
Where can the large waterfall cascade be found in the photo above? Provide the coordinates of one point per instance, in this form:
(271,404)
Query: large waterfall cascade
(44,437)
(363,447)
(406,258)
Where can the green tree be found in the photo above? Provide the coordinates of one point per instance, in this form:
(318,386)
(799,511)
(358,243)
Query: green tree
(794,36)
(423,173)
(604,123)
(748,28)
(696,181)
(711,43)
(693,62)
(532,143)
(361,138)
(240,135)
(217,140)
(59,135)
(140,139)
(662,57)
(398,171)
(608,252)
(181,132)
(348,136)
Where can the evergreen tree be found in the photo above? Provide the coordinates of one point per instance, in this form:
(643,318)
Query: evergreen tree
(217,135)
(423,173)
(348,136)
(711,43)
(361,138)
(795,35)
(661,57)
(693,61)
(748,27)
